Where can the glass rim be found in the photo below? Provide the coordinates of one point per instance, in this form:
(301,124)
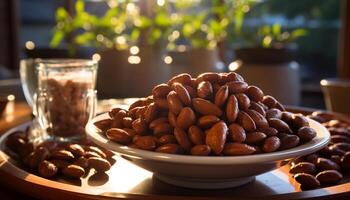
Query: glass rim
(64,63)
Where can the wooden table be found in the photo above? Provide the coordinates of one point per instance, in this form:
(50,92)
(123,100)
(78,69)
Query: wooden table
(16,113)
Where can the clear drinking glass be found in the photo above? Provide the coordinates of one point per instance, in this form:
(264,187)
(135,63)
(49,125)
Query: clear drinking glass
(29,79)
(66,97)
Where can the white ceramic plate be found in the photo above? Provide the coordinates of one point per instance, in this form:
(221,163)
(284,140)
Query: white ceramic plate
(208,172)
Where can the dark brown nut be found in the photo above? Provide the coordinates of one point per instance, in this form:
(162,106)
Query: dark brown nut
(269,131)
(289,141)
(271,144)
(237,133)
(339,131)
(300,121)
(120,115)
(255,93)
(90,154)
(208,76)
(182,139)
(246,121)
(162,129)
(170,148)
(235,87)
(62,155)
(47,169)
(336,159)
(329,177)
(104,124)
(307,181)
(31,161)
(140,126)
(41,154)
(342,145)
(151,113)
(258,108)
(273,113)
(96,150)
(146,142)
(296,161)
(237,149)
(303,167)
(345,162)
(231,76)
(127,121)
(255,137)
(118,135)
(258,149)
(161,90)
(130,131)
(280,125)
(216,137)
(174,102)
(326,164)
(167,139)
(184,79)
(82,162)
(137,112)
(340,138)
(205,107)
(287,117)
(139,103)
(73,171)
(60,164)
(99,164)
(243,101)
(200,150)
(155,122)
(207,121)
(221,96)
(186,118)
(263,105)
(269,101)
(232,109)
(259,120)
(76,150)
(312,158)
(306,134)
(191,91)
(15,143)
(325,115)
(161,103)
(182,93)
(205,90)
(280,107)
(196,135)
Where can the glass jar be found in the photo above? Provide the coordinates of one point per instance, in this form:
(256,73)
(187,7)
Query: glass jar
(66,97)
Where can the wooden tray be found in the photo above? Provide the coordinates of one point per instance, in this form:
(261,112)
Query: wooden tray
(127,181)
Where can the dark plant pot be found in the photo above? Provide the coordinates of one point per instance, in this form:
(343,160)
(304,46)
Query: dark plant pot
(261,55)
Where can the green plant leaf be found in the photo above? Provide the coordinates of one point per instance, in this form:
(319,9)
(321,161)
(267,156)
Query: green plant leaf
(56,38)
(79,6)
(298,33)
(276,29)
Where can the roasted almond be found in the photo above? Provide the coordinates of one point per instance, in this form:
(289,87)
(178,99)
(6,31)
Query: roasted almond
(146,142)
(161,90)
(167,139)
(170,148)
(237,87)
(232,109)
(174,102)
(151,113)
(258,108)
(273,113)
(221,96)
(216,137)
(246,121)
(303,167)
(329,177)
(237,133)
(259,120)
(255,137)
(306,134)
(271,144)
(155,122)
(255,93)
(200,150)
(104,124)
(182,93)
(182,139)
(184,79)
(205,107)
(196,135)
(307,181)
(186,118)
(243,101)
(280,125)
(207,121)
(238,149)
(140,126)
(205,90)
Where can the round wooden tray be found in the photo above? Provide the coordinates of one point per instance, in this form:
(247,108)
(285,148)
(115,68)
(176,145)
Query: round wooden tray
(127,181)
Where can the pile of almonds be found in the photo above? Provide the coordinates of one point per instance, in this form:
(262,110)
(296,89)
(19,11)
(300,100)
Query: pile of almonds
(212,114)
(327,166)
(49,159)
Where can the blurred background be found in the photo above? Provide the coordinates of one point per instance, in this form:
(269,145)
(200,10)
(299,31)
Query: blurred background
(285,47)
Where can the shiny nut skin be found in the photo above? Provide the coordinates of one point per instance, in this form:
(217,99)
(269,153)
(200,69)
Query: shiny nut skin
(345,162)
(243,101)
(306,134)
(271,144)
(182,93)
(76,149)
(205,107)
(99,164)
(157,121)
(258,108)
(63,155)
(167,139)
(104,124)
(146,142)
(170,148)
(255,137)
(326,164)
(200,150)
(259,120)
(186,118)
(232,109)
(161,90)
(307,181)
(221,96)
(150,113)
(162,129)
(237,133)
(73,171)
(280,125)
(82,162)
(237,87)
(216,137)
(300,121)
(246,121)
(329,177)
(184,79)
(303,167)
(269,131)
(269,101)
(207,121)
(174,103)
(238,149)
(273,113)
(255,93)
(118,135)
(47,169)
(289,141)
(140,126)
(205,90)
(96,150)
(196,135)
(182,139)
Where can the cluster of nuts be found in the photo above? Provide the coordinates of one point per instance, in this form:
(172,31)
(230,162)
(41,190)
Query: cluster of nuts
(50,158)
(326,166)
(212,114)
(67,107)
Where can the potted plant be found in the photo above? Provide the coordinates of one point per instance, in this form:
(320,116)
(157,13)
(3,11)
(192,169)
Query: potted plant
(267,60)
